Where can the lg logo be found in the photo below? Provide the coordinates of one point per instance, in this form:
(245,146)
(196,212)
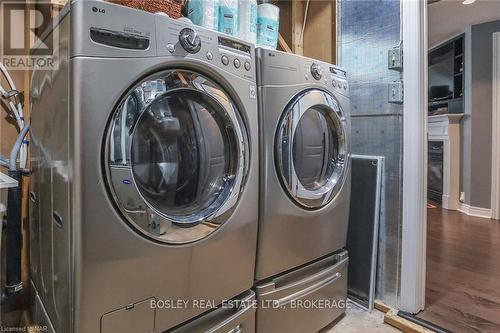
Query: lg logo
(98,10)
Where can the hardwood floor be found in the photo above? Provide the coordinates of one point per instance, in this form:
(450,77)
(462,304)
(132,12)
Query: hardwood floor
(463,272)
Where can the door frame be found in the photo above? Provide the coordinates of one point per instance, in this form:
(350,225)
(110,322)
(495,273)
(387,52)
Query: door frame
(414,215)
(495,144)
(414,234)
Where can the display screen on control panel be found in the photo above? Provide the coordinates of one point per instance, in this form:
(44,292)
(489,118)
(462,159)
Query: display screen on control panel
(337,71)
(234,45)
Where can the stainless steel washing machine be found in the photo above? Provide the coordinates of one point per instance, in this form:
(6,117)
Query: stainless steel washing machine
(304,191)
(144,195)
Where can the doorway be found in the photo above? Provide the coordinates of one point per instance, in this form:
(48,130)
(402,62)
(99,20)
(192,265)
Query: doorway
(455,239)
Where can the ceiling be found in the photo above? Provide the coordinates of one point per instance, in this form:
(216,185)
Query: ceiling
(448,18)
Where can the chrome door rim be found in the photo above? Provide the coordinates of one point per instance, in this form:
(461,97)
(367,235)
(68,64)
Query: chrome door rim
(235,182)
(182,229)
(325,103)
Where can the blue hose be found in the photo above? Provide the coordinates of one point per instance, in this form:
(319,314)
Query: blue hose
(17,146)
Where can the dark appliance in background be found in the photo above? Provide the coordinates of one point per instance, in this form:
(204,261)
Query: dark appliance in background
(446,77)
(435,172)
(439,93)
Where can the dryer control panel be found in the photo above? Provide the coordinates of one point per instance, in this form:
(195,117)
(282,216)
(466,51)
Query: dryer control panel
(329,75)
(280,68)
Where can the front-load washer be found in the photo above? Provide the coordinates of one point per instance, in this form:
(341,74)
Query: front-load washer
(304,113)
(144,202)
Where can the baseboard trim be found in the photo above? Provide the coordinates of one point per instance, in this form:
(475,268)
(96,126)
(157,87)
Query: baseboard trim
(475,211)
(449,204)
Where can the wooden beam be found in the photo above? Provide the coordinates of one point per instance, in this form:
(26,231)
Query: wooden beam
(402,324)
(298,9)
(59,3)
(25,252)
(391,317)
(335,21)
(381,306)
(282,43)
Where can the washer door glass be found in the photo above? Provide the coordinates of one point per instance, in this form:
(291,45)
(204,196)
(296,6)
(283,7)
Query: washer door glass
(177,156)
(311,149)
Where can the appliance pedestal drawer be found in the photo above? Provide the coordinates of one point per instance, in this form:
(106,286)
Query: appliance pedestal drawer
(306,299)
(237,316)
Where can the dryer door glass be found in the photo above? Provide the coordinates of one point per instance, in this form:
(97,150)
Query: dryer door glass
(178,156)
(311,149)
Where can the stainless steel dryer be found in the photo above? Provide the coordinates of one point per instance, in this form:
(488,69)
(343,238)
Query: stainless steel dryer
(304,191)
(145,176)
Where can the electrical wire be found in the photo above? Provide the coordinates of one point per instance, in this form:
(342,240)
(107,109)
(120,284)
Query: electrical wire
(7,76)
(17,111)
(12,88)
(14,111)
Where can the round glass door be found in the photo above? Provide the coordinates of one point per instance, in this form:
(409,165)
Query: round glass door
(311,149)
(177,155)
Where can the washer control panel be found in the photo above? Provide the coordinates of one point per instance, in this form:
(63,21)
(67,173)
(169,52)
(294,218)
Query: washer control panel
(316,71)
(190,40)
(235,53)
(109,30)
(184,40)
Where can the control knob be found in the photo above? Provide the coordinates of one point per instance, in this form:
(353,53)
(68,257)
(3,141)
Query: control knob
(316,71)
(190,40)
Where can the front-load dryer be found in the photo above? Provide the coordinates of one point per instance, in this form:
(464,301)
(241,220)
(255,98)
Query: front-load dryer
(145,175)
(304,113)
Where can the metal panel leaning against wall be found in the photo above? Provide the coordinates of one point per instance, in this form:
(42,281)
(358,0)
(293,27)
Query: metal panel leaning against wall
(367,30)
